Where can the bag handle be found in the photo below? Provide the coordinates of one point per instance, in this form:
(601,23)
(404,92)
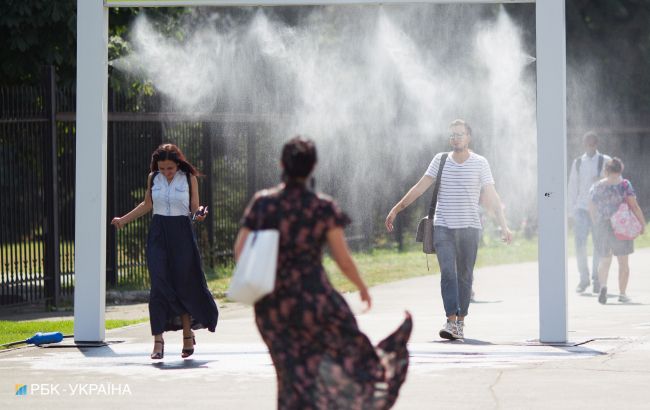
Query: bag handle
(434,198)
(280,213)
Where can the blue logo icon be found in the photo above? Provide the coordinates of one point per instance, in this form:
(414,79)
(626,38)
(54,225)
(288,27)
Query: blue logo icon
(21,390)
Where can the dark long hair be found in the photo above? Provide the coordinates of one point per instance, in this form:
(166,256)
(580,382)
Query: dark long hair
(298,158)
(173,153)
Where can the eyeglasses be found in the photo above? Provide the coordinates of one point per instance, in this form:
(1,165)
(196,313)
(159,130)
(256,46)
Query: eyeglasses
(457,135)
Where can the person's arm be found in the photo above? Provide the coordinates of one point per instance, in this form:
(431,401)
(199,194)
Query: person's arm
(493,200)
(141,209)
(195,201)
(341,255)
(414,193)
(636,210)
(592,211)
(240,241)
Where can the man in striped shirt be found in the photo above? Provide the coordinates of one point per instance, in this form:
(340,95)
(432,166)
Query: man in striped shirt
(465,176)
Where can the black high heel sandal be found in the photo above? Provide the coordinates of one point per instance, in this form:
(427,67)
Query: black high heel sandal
(188,352)
(159,355)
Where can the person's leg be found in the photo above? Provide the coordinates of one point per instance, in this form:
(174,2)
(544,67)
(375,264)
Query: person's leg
(603,272)
(158,351)
(445,244)
(595,260)
(603,269)
(581,232)
(188,336)
(623,274)
(466,250)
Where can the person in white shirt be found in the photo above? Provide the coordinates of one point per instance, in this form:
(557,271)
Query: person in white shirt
(586,169)
(179,298)
(465,176)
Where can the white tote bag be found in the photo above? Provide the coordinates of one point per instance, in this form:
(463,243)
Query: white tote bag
(254,275)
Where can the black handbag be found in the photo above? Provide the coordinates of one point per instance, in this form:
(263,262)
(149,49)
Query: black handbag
(424,232)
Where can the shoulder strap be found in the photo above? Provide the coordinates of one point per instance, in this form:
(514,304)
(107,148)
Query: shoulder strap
(434,199)
(601,160)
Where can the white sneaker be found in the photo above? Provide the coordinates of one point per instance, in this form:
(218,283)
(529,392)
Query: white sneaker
(460,325)
(450,331)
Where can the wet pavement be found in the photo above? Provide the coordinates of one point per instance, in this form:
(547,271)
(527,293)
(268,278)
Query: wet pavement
(500,364)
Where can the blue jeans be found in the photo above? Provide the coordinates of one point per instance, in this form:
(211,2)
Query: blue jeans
(456,250)
(581,229)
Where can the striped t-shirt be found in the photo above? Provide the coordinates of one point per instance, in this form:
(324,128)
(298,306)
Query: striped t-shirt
(460,190)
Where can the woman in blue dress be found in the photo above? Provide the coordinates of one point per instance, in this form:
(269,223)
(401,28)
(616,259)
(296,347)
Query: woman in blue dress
(179,297)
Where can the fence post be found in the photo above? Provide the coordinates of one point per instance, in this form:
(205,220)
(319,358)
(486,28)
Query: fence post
(111,235)
(51,257)
(207,168)
(251,161)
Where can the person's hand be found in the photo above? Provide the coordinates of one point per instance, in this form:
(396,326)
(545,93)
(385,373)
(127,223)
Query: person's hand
(506,236)
(390,219)
(365,297)
(201,214)
(118,222)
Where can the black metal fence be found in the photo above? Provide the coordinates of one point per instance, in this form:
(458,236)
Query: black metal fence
(37,179)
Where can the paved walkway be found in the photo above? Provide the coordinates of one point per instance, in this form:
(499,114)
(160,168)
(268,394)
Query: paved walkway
(498,366)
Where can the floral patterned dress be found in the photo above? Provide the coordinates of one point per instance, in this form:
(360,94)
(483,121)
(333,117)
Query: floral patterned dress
(322,359)
(607,198)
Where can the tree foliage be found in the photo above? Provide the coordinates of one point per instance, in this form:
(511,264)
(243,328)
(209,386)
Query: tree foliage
(33,34)
(38,33)
(613,37)
(613,34)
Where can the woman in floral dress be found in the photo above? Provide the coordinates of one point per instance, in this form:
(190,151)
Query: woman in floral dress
(322,359)
(606,196)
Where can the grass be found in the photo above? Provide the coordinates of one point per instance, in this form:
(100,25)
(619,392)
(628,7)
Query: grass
(13,331)
(386,265)
(382,266)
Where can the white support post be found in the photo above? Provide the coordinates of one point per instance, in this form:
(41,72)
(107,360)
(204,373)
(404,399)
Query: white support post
(551,163)
(90,232)
(90,189)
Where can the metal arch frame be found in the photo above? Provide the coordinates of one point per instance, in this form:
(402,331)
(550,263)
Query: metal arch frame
(228,3)
(91,145)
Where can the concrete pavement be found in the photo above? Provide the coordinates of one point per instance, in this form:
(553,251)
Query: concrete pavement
(499,366)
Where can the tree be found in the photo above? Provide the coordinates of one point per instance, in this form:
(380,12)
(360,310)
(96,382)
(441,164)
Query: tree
(36,33)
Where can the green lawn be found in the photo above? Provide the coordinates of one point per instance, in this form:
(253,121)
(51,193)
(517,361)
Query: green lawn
(384,265)
(11,331)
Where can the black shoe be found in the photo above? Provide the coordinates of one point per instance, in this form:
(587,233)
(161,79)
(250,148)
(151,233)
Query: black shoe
(582,287)
(602,297)
(188,352)
(158,355)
